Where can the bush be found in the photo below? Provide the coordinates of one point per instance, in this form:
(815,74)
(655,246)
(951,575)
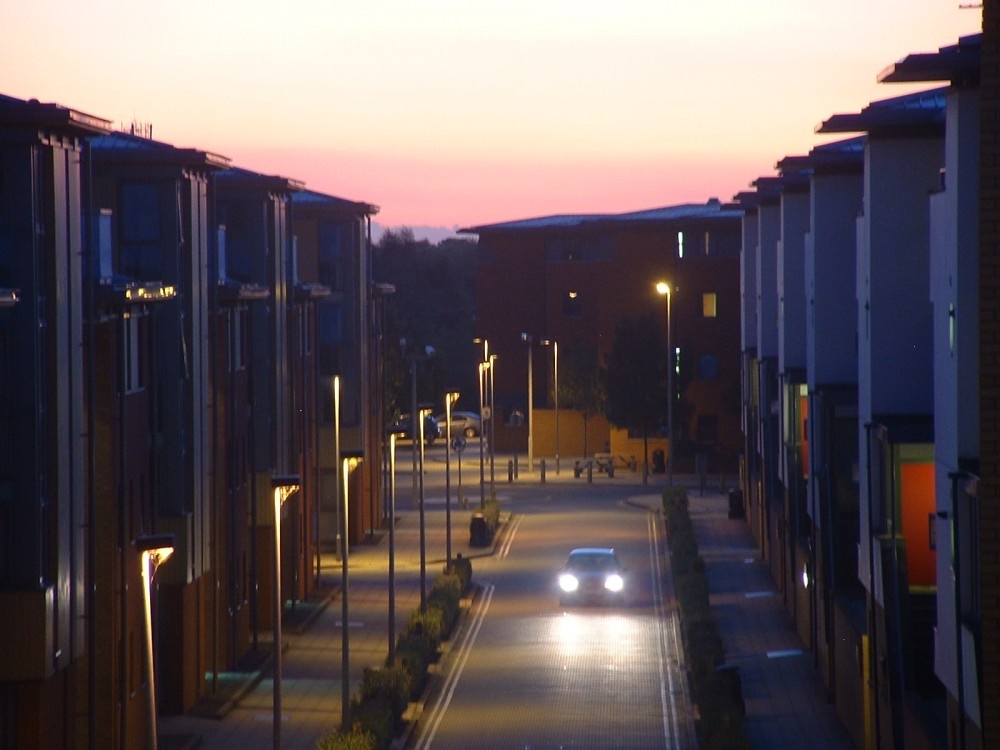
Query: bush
(373,718)
(391,684)
(462,567)
(353,740)
(720,725)
(446,595)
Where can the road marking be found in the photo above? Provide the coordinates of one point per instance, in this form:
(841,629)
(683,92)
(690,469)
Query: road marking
(504,548)
(451,682)
(668,703)
(781,654)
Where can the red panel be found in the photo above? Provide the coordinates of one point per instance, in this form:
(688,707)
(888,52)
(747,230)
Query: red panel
(917,502)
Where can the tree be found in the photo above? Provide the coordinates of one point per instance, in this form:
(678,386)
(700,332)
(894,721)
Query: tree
(580,383)
(635,379)
(434,304)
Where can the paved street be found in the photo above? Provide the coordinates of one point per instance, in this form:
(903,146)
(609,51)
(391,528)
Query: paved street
(785,705)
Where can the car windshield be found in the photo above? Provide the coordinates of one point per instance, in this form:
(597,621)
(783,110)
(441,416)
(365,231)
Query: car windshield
(592,562)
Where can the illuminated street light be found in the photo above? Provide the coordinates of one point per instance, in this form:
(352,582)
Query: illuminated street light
(349,461)
(422,416)
(665,290)
(392,547)
(283,487)
(482,417)
(555,377)
(154,551)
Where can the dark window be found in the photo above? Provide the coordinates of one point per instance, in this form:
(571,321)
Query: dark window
(708,367)
(139,232)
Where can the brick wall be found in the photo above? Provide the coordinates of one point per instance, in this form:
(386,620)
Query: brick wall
(989,490)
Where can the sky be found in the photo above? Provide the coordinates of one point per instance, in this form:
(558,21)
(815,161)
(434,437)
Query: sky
(455,113)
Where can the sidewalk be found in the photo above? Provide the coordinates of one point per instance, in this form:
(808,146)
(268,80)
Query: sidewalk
(311,660)
(785,702)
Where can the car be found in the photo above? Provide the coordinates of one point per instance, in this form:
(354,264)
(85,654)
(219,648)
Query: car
(465,423)
(432,431)
(592,575)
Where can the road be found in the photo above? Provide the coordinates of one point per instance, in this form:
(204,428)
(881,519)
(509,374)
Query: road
(525,672)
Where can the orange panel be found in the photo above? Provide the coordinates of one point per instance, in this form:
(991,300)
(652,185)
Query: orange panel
(917,503)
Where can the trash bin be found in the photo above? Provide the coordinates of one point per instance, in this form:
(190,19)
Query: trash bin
(735,503)
(480,534)
(659,465)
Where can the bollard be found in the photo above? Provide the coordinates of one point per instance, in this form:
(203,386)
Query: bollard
(510,472)
(541,469)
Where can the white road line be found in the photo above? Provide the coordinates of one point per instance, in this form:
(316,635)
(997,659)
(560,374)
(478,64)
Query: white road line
(504,549)
(671,728)
(451,682)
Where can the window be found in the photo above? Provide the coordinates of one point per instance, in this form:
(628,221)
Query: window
(708,305)
(680,244)
(139,231)
(239,337)
(133,346)
(571,304)
(708,367)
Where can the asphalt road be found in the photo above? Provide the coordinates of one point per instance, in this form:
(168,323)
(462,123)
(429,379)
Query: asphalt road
(525,672)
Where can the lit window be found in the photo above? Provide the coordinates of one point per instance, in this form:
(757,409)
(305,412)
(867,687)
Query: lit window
(708,302)
(680,244)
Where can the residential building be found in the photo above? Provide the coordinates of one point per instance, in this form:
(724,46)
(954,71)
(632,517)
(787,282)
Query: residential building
(573,279)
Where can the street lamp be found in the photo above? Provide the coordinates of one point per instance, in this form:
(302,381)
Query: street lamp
(349,461)
(482,413)
(422,415)
(664,289)
(154,551)
(529,340)
(392,547)
(555,379)
(283,486)
(493,433)
(449,399)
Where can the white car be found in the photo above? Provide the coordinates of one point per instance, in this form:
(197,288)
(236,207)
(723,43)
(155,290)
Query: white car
(465,423)
(592,574)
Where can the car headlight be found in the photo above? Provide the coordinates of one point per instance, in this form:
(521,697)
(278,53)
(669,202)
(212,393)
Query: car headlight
(614,582)
(568,582)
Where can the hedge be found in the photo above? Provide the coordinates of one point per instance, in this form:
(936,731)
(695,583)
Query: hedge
(715,687)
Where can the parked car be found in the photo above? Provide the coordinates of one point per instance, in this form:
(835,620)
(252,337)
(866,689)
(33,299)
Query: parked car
(465,423)
(592,575)
(432,430)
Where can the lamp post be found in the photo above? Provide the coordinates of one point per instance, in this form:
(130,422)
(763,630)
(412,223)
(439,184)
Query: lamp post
(449,399)
(555,379)
(482,409)
(665,290)
(529,340)
(283,486)
(153,552)
(422,415)
(392,548)
(493,433)
(349,460)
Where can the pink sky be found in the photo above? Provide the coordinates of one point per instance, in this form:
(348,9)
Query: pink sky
(452,113)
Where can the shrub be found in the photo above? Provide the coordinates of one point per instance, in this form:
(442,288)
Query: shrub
(392,684)
(462,567)
(720,725)
(445,595)
(353,740)
(373,718)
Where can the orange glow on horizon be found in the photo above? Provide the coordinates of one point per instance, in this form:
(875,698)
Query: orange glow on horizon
(454,113)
